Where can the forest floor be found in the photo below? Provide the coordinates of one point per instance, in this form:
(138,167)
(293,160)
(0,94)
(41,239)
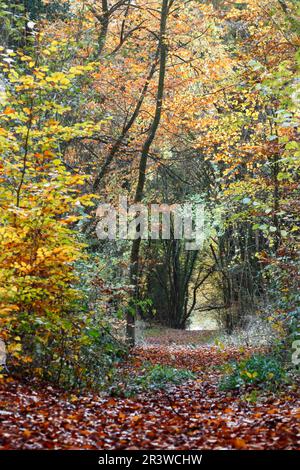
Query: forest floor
(194,415)
(169,336)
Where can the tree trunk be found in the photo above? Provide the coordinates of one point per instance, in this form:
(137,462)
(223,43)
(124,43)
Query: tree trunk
(135,250)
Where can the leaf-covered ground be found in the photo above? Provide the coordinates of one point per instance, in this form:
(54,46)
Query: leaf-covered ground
(169,336)
(195,415)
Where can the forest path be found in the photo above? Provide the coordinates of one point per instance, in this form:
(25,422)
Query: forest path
(194,415)
(169,336)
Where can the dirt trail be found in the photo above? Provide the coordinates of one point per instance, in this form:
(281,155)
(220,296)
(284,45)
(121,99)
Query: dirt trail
(170,336)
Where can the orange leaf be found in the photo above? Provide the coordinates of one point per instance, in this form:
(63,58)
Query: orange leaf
(8,110)
(228,410)
(239,443)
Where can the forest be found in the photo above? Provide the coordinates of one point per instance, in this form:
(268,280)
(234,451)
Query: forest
(149,225)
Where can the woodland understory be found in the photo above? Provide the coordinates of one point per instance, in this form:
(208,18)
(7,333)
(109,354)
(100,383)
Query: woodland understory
(113,341)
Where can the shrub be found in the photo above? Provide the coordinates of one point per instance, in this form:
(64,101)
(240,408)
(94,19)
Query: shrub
(44,321)
(152,377)
(160,376)
(259,370)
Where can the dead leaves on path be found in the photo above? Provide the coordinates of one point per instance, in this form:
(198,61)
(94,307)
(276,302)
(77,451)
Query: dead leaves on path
(195,415)
(196,359)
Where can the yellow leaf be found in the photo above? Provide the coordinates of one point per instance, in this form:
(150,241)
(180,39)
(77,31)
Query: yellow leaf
(15,347)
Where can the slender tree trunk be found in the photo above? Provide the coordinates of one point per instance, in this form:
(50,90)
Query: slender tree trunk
(104,21)
(135,250)
(276,198)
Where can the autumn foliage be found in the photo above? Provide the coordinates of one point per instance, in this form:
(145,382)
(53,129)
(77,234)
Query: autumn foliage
(38,294)
(166,102)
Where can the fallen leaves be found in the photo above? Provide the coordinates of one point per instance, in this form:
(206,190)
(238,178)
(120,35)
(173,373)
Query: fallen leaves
(239,443)
(195,415)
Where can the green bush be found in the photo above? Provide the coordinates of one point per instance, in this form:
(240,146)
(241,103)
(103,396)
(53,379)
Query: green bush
(151,377)
(262,371)
(160,376)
